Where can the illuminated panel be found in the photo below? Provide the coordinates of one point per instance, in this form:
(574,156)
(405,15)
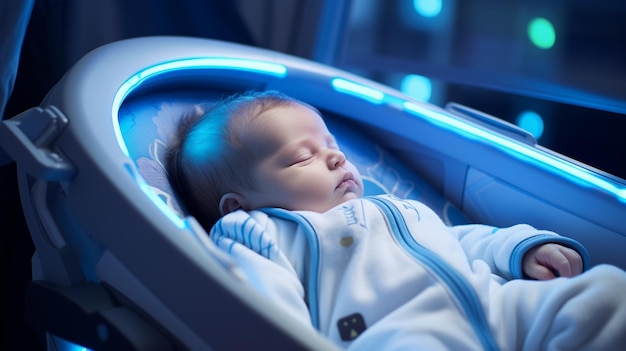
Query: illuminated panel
(566,169)
(557,165)
(359,90)
(134,81)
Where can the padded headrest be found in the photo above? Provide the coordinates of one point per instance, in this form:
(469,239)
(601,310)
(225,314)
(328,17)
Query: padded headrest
(147,124)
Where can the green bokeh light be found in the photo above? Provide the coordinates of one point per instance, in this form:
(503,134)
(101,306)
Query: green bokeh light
(541,33)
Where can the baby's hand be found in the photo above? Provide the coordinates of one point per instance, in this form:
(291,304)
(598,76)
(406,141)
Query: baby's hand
(549,261)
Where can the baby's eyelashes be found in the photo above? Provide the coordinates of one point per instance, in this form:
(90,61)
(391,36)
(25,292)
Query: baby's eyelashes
(306,155)
(302,159)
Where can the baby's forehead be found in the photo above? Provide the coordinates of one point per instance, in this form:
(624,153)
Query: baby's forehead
(287,124)
(290,106)
(288,113)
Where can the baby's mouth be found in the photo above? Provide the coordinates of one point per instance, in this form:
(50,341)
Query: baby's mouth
(348,180)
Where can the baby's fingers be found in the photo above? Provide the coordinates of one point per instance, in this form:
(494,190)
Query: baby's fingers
(558,262)
(574,262)
(552,260)
(539,272)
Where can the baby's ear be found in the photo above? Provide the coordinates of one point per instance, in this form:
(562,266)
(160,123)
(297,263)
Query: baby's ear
(231,202)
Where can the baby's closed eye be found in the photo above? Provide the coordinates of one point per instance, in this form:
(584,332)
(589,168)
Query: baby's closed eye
(302,159)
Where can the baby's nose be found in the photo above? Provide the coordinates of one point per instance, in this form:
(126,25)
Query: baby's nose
(336,159)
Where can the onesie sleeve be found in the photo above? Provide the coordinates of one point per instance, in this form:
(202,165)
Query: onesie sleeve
(250,240)
(503,248)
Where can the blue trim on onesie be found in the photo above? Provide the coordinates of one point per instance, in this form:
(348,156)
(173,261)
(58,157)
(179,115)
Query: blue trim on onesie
(314,264)
(456,283)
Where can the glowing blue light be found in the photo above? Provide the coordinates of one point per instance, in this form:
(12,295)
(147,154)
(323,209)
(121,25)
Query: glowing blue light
(61,344)
(359,90)
(152,195)
(428,8)
(564,168)
(532,122)
(216,63)
(417,87)
(134,81)
(552,163)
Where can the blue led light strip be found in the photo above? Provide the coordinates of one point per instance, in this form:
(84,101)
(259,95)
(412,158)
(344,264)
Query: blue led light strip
(564,168)
(557,165)
(223,63)
(137,79)
(358,90)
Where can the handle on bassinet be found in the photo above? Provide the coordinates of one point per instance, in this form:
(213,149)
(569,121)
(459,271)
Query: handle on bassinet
(28,139)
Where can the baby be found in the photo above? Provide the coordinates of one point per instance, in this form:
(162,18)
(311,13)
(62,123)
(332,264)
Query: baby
(263,174)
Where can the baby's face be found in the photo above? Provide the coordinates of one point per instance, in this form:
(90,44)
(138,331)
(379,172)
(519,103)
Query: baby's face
(300,166)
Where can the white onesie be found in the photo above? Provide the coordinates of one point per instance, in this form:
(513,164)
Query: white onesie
(383,273)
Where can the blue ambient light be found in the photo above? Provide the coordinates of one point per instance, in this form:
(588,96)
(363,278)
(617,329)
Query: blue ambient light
(566,169)
(61,344)
(173,217)
(216,63)
(134,81)
(542,159)
(428,8)
(358,90)
(416,86)
(530,121)
(225,63)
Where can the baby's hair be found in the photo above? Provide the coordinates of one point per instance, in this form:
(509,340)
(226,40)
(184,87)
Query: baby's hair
(210,156)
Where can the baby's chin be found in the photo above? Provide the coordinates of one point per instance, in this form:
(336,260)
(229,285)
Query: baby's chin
(325,206)
(353,195)
(345,198)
